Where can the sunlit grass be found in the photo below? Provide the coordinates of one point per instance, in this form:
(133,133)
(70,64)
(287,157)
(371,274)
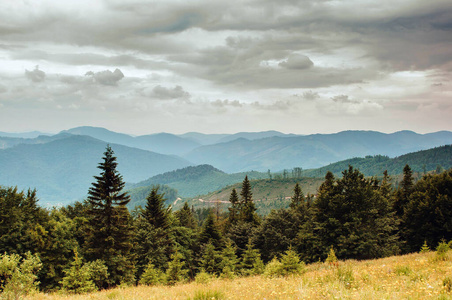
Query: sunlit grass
(414,276)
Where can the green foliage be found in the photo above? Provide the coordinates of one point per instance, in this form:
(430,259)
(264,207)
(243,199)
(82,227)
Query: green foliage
(251,263)
(98,272)
(210,260)
(78,277)
(428,213)
(176,271)
(203,277)
(229,260)
(138,195)
(186,217)
(210,233)
(110,237)
(291,264)
(273,268)
(425,248)
(247,207)
(207,295)
(442,251)
(18,275)
(351,215)
(331,259)
(152,276)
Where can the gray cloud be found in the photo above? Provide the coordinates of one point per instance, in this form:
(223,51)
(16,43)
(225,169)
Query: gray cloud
(106,77)
(169,93)
(297,62)
(36,75)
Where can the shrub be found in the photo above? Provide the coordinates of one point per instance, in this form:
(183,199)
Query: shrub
(273,268)
(331,259)
(425,248)
(442,251)
(207,295)
(18,274)
(152,276)
(78,277)
(203,277)
(291,264)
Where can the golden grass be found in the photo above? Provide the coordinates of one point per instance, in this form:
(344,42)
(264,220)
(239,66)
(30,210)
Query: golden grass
(413,276)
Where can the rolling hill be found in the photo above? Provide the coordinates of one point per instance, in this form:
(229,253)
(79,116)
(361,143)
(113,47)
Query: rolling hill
(197,180)
(420,161)
(62,170)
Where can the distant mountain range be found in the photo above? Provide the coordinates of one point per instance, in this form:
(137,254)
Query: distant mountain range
(62,166)
(62,170)
(311,151)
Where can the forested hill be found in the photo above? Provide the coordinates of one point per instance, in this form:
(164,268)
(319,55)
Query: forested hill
(312,151)
(62,170)
(421,161)
(197,180)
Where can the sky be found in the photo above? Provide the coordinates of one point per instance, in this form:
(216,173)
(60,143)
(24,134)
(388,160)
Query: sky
(307,66)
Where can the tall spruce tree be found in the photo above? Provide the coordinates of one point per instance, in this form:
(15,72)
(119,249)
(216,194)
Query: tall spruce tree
(111,228)
(234,209)
(297,198)
(247,207)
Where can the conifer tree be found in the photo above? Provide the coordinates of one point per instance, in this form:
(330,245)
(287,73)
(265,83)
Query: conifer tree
(210,259)
(176,271)
(247,207)
(234,209)
(210,233)
(186,217)
(297,198)
(155,212)
(251,263)
(111,230)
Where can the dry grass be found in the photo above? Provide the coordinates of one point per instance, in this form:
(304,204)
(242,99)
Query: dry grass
(414,276)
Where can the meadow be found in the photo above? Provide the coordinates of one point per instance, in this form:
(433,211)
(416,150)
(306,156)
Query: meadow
(412,276)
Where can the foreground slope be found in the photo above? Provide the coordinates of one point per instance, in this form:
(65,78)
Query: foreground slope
(62,170)
(413,276)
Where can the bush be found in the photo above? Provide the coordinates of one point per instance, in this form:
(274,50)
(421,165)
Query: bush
(442,251)
(425,248)
(273,268)
(18,275)
(331,259)
(78,277)
(207,295)
(203,277)
(291,264)
(152,276)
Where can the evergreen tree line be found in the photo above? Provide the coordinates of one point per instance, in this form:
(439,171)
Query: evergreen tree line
(99,244)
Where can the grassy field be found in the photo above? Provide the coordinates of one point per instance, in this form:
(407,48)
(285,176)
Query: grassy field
(414,276)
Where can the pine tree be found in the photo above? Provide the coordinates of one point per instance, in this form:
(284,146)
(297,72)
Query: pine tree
(234,209)
(186,217)
(176,271)
(297,198)
(251,263)
(78,278)
(111,232)
(247,207)
(210,259)
(155,212)
(210,233)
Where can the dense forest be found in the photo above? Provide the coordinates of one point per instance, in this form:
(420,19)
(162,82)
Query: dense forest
(99,243)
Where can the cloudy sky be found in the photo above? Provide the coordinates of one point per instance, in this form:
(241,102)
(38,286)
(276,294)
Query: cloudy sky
(307,66)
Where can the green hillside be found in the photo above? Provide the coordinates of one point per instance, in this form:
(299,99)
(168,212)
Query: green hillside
(198,180)
(421,161)
(267,194)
